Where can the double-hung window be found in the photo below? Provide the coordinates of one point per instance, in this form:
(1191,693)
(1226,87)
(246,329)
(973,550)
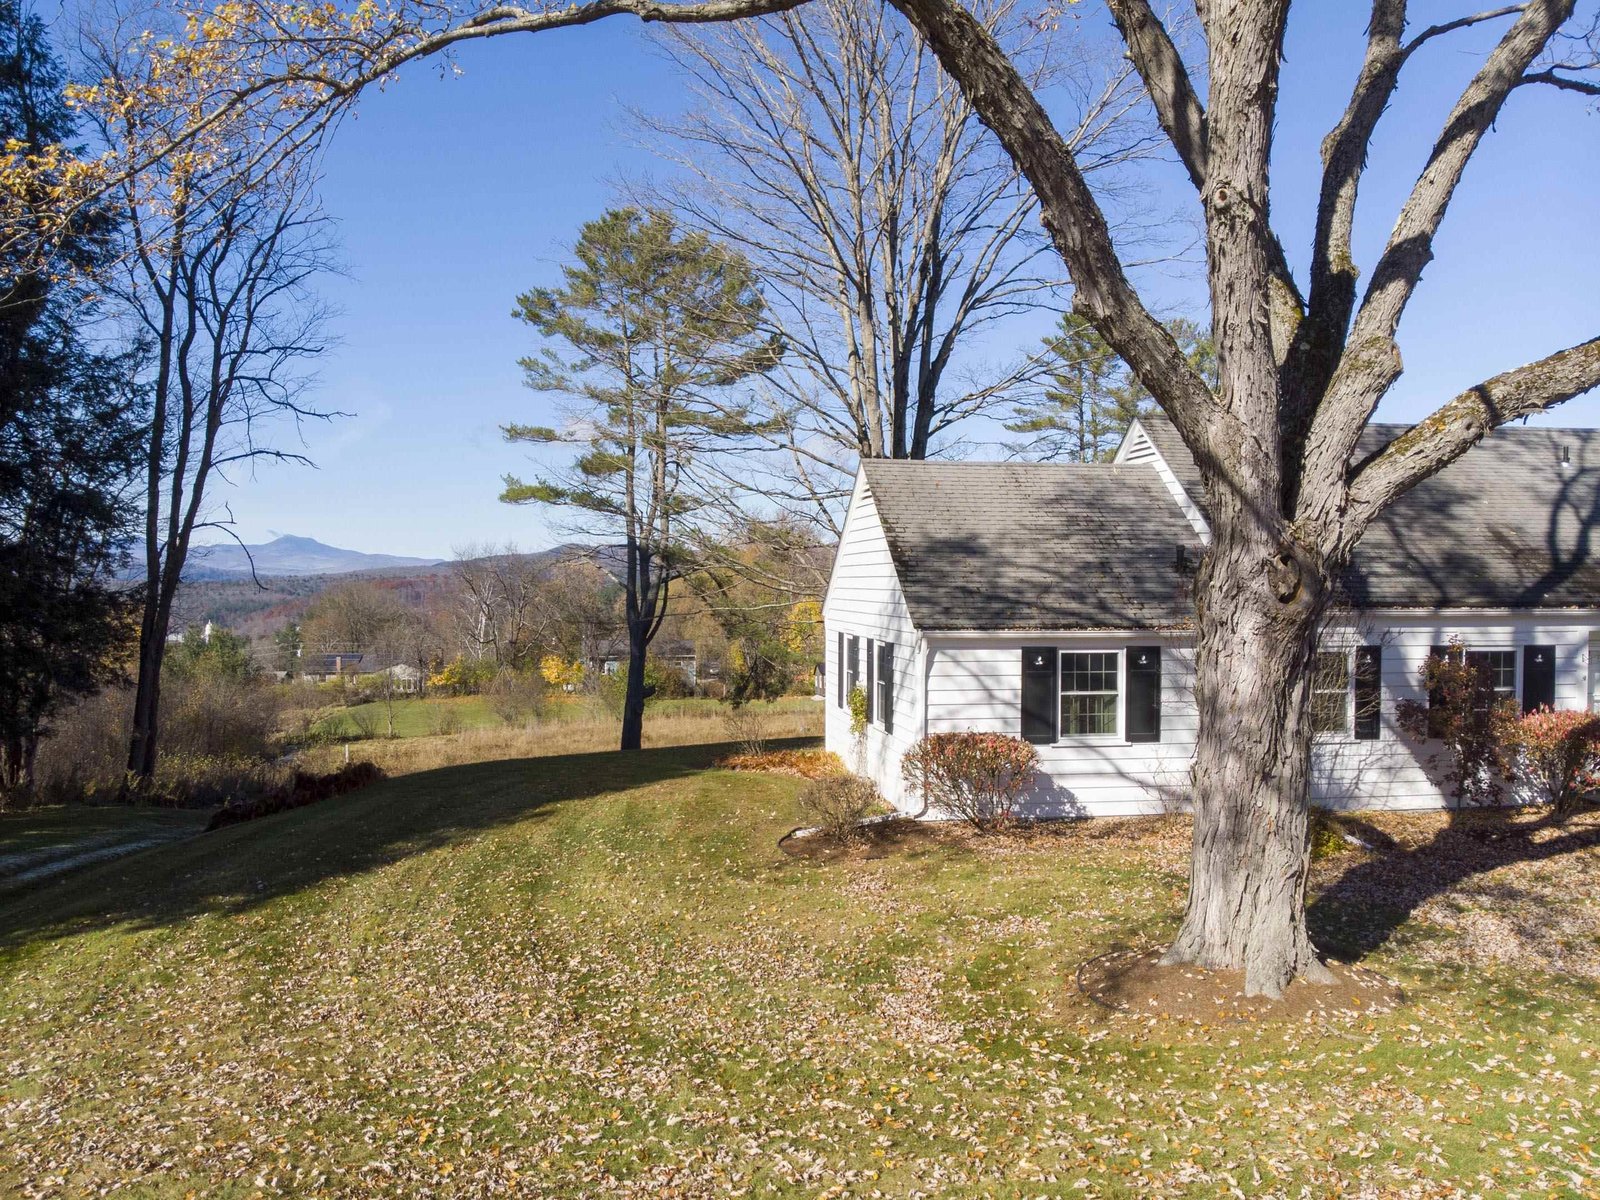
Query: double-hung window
(1497,672)
(1089,692)
(1330,692)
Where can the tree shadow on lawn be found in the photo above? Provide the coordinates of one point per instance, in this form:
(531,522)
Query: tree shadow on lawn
(241,867)
(1361,910)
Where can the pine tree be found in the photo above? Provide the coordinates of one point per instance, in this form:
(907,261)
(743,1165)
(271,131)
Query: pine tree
(1089,396)
(646,338)
(68,441)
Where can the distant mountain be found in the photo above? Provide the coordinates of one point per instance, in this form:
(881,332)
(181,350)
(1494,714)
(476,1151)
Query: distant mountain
(232,598)
(289,556)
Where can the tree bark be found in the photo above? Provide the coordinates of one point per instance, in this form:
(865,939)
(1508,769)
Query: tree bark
(634,696)
(146,718)
(1260,600)
(144,740)
(147,692)
(11,763)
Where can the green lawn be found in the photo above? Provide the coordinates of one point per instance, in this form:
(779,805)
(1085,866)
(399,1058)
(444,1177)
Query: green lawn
(598,975)
(412,717)
(45,842)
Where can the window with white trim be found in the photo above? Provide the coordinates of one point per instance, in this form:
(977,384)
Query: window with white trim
(1089,692)
(1330,692)
(1498,671)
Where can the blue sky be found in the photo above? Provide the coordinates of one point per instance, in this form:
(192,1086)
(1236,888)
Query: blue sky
(454,193)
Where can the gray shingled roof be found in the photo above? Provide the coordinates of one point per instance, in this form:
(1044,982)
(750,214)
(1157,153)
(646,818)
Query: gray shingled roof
(1504,526)
(1034,545)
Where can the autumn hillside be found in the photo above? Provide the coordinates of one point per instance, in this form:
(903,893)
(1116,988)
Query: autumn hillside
(600,975)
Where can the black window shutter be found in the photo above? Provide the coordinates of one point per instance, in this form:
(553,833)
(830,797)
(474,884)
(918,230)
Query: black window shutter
(886,685)
(1369,692)
(853,651)
(1143,719)
(1039,694)
(1538,677)
(1434,698)
(1441,653)
(839,666)
(869,689)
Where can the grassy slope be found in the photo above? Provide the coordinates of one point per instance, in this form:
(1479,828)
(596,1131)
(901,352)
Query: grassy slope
(596,974)
(42,842)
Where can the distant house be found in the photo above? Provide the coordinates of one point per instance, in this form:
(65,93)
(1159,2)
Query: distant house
(1053,602)
(680,656)
(320,668)
(405,677)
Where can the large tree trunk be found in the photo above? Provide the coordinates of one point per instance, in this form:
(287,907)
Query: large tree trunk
(147,694)
(634,696)
(11,756)
(1259,609)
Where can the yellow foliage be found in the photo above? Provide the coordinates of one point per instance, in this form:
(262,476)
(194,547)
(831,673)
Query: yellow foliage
(452,675)
(559,672)
(802,627)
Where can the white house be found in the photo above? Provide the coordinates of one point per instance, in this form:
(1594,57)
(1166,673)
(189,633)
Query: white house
(1053,601)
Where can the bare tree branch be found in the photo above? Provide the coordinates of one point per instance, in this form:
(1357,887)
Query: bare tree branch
(1582,86)
(1433,31)
(1410,245)
(1166,79)
(1074,218)
(1448,433)
(1370,361)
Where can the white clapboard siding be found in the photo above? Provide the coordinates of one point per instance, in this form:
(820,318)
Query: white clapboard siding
(977,685)
(864,600)
(1393,771)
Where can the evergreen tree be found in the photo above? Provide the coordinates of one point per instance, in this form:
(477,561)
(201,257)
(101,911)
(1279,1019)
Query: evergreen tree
(212,653)
(648,335)
(287,643)
(68,440)
(1089,396)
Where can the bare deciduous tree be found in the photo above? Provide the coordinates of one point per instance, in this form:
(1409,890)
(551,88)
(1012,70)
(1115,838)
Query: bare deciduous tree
(222,298)
(890,232)
(216,282)
(501,610)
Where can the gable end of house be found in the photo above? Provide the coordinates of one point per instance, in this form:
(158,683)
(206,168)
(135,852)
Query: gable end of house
(1137,448)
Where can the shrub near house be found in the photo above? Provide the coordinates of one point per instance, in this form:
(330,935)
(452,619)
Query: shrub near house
(1556,755)
(1464,719)
(977,777)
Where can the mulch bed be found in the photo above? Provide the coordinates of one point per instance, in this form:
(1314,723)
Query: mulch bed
(1135,982)
(877,840)
(799,764)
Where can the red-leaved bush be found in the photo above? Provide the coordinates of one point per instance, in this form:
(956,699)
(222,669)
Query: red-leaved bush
(1556,753)
(1462,717)
(978,777)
